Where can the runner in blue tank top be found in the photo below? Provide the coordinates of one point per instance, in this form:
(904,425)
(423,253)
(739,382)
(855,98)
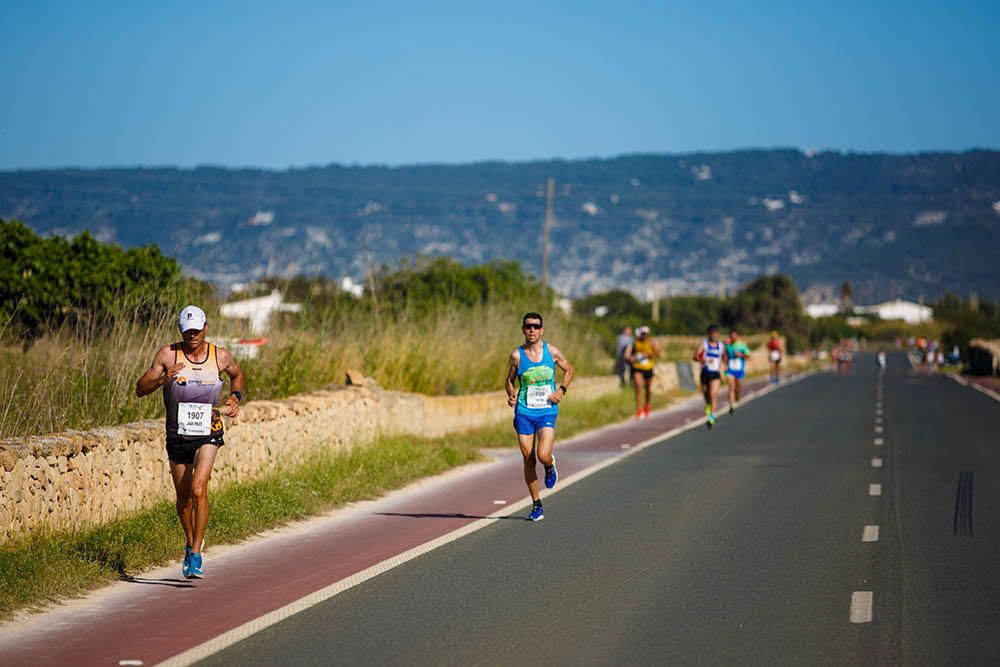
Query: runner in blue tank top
(532,392)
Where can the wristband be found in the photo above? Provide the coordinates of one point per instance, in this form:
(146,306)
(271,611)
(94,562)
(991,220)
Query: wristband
(238,395)
(563,387)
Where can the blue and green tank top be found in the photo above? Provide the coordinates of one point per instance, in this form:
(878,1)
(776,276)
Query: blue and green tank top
(537,382)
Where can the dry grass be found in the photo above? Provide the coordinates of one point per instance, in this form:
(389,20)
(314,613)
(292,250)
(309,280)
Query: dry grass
(83,376)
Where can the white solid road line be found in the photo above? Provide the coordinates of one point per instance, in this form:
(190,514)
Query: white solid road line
(982,390)
(861,606)
(879,442)
(252,627)
(874,489)
(870,534)
(876,462)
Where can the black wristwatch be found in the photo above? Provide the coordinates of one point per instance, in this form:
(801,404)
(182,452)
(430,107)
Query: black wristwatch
(238,395)
(563,387)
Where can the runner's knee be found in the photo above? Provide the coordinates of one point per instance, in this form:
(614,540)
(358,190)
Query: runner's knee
(199,490)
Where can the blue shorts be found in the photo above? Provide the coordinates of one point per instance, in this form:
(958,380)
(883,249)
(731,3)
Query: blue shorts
(528,425)
(739,375)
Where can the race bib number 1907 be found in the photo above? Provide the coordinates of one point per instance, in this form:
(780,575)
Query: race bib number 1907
(194,418)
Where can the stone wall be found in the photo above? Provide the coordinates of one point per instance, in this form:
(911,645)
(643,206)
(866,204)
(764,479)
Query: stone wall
(84,478)
(432,416)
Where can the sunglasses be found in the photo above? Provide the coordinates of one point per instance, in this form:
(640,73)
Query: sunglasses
(531,326)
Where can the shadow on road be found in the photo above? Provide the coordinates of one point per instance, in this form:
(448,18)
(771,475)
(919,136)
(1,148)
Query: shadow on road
(173,583)
(432,515)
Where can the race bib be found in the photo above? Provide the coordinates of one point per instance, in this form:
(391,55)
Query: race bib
(538,396)
(641,358)
(194,418)
(736,365)
(775,355)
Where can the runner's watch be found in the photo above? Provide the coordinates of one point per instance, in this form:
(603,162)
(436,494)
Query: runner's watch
(563,387)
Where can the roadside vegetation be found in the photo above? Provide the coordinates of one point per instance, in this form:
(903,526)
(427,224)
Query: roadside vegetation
(80,321)
(769,302)
(46,567)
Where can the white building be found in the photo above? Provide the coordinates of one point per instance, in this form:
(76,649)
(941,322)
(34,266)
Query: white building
(815,310)
(259,310)
(897,309)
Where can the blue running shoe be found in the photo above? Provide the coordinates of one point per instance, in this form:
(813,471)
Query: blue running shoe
(186,567)
(711,420)
(537,513)
(551,474)
(194,567)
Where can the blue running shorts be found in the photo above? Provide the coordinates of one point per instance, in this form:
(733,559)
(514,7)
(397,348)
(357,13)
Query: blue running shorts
(527,425)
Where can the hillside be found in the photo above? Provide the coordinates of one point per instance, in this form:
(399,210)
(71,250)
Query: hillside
(894,225)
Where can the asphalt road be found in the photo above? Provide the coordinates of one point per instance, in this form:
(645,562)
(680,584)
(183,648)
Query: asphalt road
(740,545)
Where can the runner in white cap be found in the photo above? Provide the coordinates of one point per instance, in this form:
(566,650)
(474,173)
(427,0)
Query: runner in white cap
(642,354)
(189,373)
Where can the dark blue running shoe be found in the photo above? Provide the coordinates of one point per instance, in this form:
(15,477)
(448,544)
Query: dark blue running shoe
(537,513)
(186,567)
(551,474)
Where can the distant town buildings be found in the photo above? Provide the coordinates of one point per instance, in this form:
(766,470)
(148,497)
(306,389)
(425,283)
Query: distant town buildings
(897,309)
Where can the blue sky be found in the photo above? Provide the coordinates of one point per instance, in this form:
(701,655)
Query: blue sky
(298,83)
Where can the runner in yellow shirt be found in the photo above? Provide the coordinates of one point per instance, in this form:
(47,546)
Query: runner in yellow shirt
(642,354)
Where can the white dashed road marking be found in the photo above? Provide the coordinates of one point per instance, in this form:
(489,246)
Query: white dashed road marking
(878,429)
(861,606)
(874,489)
(876,462)
(879,442)
(870,534)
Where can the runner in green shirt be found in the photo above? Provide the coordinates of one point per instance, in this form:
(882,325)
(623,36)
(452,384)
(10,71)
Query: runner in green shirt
(737,354)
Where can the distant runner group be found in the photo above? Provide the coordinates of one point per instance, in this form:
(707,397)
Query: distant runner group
(189,372)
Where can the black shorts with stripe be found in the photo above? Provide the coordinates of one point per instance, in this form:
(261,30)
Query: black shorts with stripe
(180,450)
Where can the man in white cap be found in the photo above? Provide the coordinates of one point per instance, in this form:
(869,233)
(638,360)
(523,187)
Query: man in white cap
(189,373)
(642,355)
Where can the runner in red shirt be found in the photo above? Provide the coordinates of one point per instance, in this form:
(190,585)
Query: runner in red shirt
(775,352)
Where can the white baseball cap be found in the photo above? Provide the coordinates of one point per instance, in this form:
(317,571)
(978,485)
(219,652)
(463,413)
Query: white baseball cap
(192,317)
(642,331)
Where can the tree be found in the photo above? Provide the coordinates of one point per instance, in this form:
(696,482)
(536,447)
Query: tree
(45,282)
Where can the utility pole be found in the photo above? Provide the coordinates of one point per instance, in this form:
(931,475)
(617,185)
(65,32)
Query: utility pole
(973,300)
(722,285)
(656,303)
(547,231)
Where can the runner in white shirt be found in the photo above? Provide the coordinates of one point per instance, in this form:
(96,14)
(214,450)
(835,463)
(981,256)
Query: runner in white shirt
(711,353)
